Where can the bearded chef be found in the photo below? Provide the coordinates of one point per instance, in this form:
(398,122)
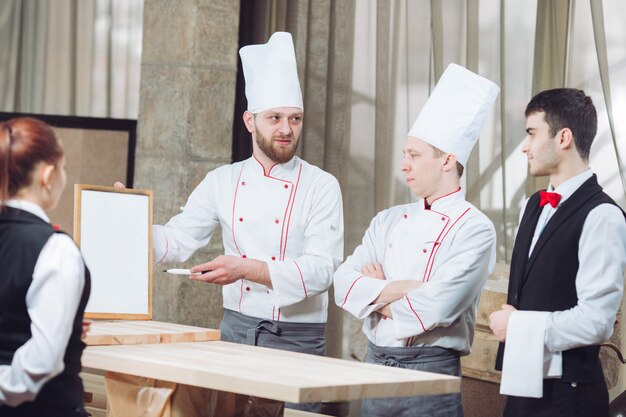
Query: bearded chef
(281,218)
(417,276)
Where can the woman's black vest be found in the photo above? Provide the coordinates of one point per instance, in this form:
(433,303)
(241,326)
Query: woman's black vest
(546,281)
(22,237)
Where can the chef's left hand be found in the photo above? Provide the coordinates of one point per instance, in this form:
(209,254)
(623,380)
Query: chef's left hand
(373,270)
(226,269)
(499,321)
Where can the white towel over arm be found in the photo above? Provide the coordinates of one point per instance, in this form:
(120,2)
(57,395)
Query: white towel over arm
(526,361)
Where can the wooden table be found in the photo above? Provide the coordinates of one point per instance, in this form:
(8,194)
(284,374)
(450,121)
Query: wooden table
(133,332)
(268,373)
(276,375)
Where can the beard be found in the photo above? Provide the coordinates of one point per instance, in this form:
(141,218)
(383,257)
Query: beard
(276,153)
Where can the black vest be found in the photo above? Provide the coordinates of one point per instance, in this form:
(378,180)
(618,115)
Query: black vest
(22,237)
(546,281)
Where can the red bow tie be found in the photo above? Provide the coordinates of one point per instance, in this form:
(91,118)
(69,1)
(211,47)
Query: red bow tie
(546,197)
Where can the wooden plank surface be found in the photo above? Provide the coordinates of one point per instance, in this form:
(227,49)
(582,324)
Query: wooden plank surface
(141,331)
(267,373)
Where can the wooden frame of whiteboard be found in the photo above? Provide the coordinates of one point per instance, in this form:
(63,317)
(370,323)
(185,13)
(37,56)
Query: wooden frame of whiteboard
(78,189)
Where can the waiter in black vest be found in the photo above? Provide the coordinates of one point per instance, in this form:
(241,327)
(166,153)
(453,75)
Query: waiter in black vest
(565,285)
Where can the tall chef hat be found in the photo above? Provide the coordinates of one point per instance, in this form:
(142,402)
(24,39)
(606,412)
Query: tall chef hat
(271,74)
(455,112)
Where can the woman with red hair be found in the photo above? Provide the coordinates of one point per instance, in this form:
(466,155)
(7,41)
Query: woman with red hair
(44,283)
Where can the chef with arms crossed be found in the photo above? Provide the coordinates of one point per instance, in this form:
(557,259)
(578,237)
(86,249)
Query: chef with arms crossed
(417,276)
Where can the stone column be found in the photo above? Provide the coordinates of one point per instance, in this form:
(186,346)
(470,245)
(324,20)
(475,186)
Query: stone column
(188,76)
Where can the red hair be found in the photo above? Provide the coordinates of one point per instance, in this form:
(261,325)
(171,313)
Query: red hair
(24,142)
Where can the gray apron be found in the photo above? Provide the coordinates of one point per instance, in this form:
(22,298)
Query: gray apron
(294,337)
(429,359)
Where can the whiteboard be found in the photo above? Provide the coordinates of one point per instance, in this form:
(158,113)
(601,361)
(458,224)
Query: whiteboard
(113,228)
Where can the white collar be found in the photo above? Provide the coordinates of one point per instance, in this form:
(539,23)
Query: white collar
(282,171)
(446,201)
(570,186)
(29,207)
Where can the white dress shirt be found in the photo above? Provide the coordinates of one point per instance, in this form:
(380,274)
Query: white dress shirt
(291,218)
(450,248)
(52,300)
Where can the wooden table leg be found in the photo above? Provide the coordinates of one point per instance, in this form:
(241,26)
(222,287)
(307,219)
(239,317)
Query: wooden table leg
(131,395)
(194,401)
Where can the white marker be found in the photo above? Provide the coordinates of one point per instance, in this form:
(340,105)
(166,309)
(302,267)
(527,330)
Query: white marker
(181,272)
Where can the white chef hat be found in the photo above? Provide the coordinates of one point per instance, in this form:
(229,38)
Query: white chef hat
(455,112)
(271,74)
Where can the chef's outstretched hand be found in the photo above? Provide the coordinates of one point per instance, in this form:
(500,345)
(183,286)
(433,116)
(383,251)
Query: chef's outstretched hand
(226,269)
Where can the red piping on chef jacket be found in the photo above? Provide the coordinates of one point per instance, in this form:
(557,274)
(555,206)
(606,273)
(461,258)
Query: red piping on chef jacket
(295,190)
(431,257)
(263,168)
(289,201)
(241,293)
(438,245)
(439,198)
(232,227)
(232,219)
(289,208)
(274,309)
(414,312)
(302,278)
(348,293)
(286,221)
(282,230)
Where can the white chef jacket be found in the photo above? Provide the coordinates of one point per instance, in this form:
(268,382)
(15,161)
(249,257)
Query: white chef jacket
(291,218)
(52,300)
(449,247)
(599,286)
